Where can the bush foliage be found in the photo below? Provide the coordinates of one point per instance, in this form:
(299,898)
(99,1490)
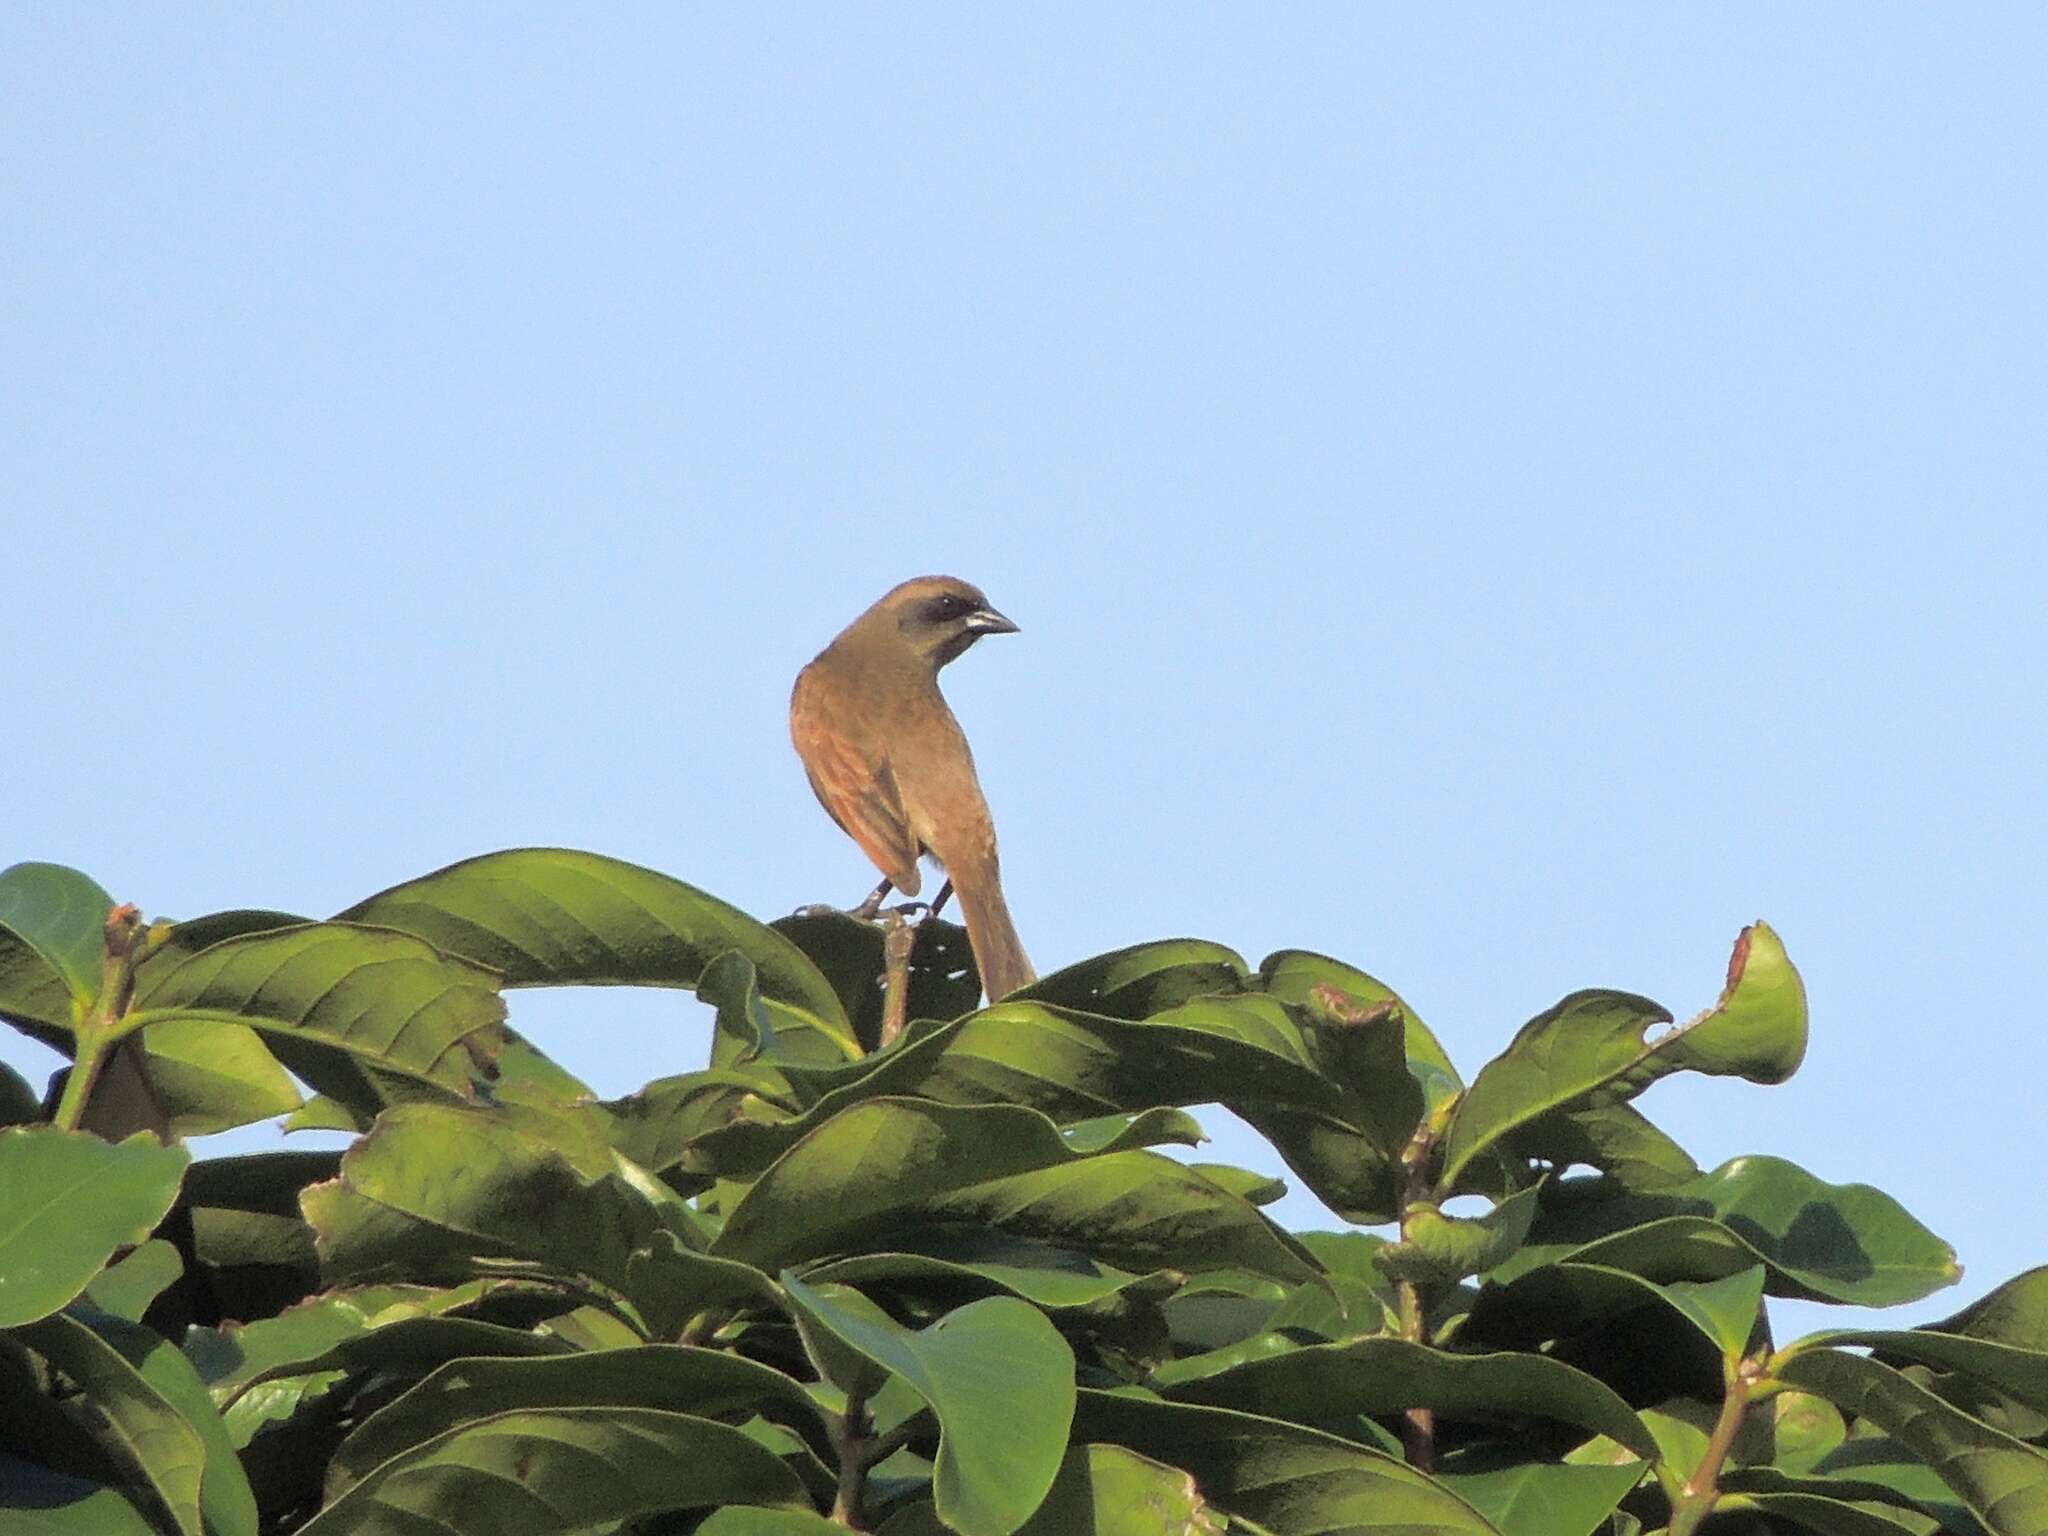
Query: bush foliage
(949,1283)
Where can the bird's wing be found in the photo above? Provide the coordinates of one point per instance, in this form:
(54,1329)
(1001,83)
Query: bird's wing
(863,798)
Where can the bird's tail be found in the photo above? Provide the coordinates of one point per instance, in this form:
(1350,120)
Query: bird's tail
(998,952)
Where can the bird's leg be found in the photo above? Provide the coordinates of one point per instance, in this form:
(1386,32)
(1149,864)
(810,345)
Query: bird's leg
(938,901)
(866,910)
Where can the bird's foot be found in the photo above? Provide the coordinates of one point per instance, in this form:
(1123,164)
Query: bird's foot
(867,909)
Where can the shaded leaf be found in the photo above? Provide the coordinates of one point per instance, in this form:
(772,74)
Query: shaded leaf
(19,1103)
(1000,1381)
(1047,1276)
(1615,1139)
(538,1472)
(41,1501)
(67,1201)
(2015,1313)
(2021,1374)
(518,1207)
(1137,982)
(1386,1375)
(745,1520)
(1824,1242)
(2003,1481)
(1281,1475)
(944,983)
(887,1163)
(668,1377)
(1068,1066)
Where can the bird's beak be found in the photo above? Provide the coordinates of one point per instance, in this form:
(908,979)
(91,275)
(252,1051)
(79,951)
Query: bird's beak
(986,621)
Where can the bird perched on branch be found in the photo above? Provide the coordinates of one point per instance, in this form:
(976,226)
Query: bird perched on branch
(889,762)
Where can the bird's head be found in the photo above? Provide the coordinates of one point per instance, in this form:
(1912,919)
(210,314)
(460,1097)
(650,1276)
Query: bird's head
(940,616)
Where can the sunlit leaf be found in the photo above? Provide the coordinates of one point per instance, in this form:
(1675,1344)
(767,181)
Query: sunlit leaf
(158,1408)
(1591,1049)
(1000,1381)
(67,1201)
(61,915)
(559,917)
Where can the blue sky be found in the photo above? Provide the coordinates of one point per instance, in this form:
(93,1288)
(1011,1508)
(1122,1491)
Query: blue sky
(1503,499)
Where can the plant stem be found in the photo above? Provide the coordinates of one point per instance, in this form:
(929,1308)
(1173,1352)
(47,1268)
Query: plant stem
(1418,1425)
(1696,1498)
(100,1030)
(850,1438)
(898,939)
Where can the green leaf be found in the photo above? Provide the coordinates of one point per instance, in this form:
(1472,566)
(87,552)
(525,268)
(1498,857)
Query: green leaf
(1823,1242)
(2003,1481)
(251,1252)
(1561,1300)
(670,1378)
(1386,1376)
(1056,1279)
(1827,1514)
(61,915)
(1148,1128)
(1137,982)
(527,1075)
(1552,1499)
(19,1103)
(889,1164)
(1068,1066)
(1590,1050)
(436,1192)
(538,1472)
(1106,1490)
(744,1520)
(944,983)
(1256,1188)
(39,1501)
(1292,975)
(126,1289)
(67,1201)
(1615,1139)
(1436,1249)
(160,1412)
(364,1015)
(262,1371)
(2015,1313)
(1000,1381)
(558,917)
(1281,1475)
(1725,1310)
(2021,1374)
(212,1074)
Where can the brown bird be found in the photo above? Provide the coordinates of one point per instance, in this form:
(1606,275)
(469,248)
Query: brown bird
(889,762)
